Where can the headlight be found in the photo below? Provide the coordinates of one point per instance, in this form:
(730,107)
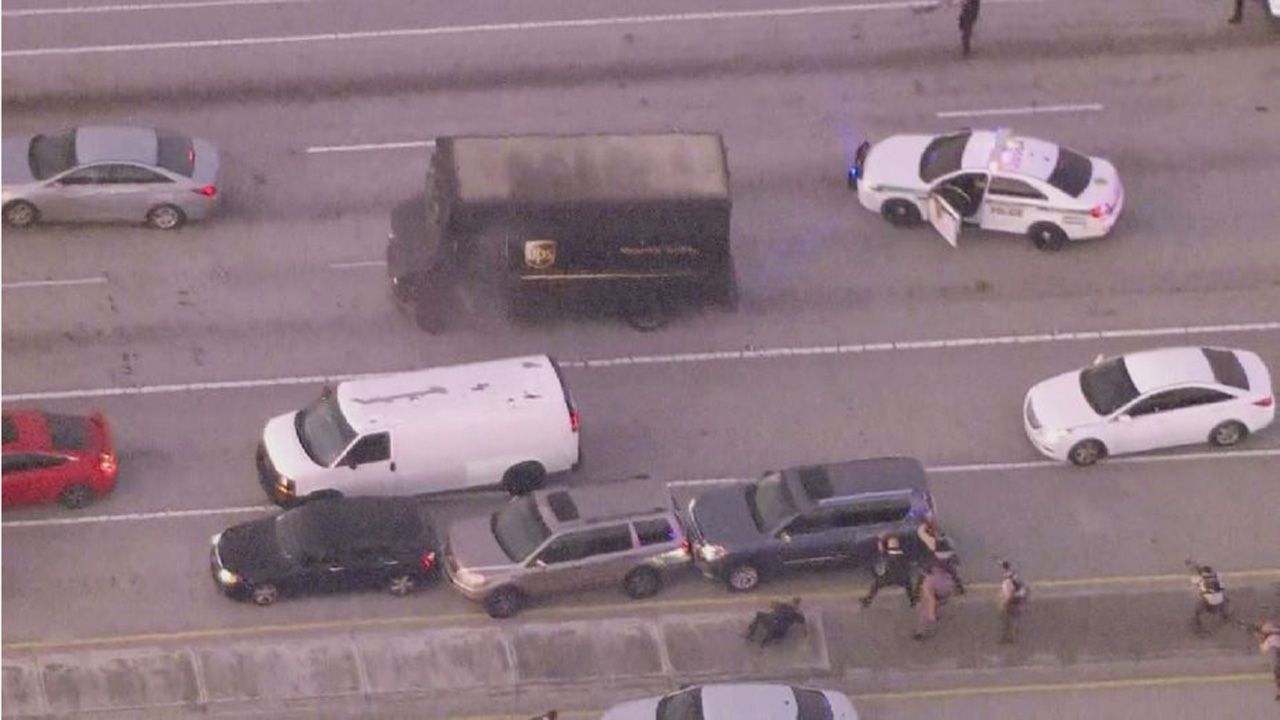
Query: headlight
(215,539)
(285,486)
(470,578)
(711,553)
(226,577)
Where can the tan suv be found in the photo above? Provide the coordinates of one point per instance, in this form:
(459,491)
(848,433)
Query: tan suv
(565,540)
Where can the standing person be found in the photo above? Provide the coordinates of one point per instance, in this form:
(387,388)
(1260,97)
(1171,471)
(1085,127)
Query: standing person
(1213,596)
(773,625)
(1238,15)
(1268,636)
(1014,593)
(891,567)
(969,18)
(935,588)
(937,548)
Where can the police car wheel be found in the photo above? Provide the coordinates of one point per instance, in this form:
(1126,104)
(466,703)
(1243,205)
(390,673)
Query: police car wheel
(1228,433)
(1047,237)
(900,213)
(1086,452)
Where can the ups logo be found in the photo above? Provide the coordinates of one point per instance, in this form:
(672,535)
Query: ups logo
(539,254)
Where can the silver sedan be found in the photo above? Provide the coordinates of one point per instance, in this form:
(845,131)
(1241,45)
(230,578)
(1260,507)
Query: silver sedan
(96,173)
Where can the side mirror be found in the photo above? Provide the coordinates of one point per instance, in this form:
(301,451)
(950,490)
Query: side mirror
(784,536)
(539,563)
(1124,417)
(351,463)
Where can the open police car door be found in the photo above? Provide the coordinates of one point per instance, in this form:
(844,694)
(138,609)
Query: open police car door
(944,218)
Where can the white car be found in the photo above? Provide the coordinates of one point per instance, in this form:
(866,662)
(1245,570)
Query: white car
(1148,400)
(738,701)
(992,179)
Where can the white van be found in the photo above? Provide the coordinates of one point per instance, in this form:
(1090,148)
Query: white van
(504,422)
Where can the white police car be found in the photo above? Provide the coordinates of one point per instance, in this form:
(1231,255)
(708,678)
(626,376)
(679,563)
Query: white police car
(992,179)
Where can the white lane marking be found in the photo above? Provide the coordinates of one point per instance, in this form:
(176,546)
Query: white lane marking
(750,354)
(1029,110)
(357,264)
(696,482)
(129,517)
(317,149)
(488,28)
(52,283)
(84,9)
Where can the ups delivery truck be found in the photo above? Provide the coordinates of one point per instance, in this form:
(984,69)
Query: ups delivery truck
(636,224)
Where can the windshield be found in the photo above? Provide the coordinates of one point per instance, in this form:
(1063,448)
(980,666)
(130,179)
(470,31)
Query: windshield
(1107,386)
(1072,172)
(684,705)
(297,530)
(52,154)
(519,529)
(942,156)
(323,431)
(771,502)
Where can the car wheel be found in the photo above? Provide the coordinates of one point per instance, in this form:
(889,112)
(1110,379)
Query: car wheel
(743,578)
(504,602)
(264,595)
(647,312)
(1228,433)
(428,317)
(900,213)
(401,585)
(642,583)
(76,496)
(1047,236)
(1086,452)
(20,214)
(524,478)
(166,217)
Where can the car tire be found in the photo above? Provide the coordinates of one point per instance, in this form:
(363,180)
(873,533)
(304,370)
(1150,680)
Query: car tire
(504,602)
(20,214)
(401,585)
(743,578)
(647,312)
(264,595)
(76,496)
(642,583)
(524,478)
(166,217)
(429,318)
(1047,236)
(1228,433)
(901,213)
(1086,452)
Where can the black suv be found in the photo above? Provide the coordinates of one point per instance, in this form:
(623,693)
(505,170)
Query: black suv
(327,545)
(804,516)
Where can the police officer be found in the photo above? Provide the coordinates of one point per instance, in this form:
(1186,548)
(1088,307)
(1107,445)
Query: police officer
(969,18)
(1014,593)
(891,567)
(1269,646)
(1213,596)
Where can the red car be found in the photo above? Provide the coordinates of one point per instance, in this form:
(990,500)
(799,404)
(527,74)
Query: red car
(48,457)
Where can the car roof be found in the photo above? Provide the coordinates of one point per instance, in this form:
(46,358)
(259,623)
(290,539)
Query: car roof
(741,700)
(1154,369)
(859,477)
(104,143)
(564,507)
(365,520)
(383,401)
(1002,151)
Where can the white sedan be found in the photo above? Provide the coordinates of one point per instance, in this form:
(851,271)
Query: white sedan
(738,701)
(1148,400)
(992,179)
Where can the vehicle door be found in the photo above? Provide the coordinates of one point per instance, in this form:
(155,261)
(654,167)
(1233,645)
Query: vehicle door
(76,195)
(575,560)
(367,468)
(1010,204)
(133,191)
(324,569)
(18,478)
(944,218)
(371,564)
(36,477)
(871,516)
(810,539)
(1146,423)
(1198,410)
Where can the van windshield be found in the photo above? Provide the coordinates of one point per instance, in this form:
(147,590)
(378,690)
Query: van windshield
(322,430)
(519,528)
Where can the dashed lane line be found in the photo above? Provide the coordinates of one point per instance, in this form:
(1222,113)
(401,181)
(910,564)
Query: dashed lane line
(696,482)
(357,264)
(1028,110)
(696,357)
(811,10)
(25,284)
(845,591)
(143,7)
(319,149)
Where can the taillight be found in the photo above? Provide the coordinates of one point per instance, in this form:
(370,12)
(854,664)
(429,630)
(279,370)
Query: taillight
(207,191)
(687,547)
(1265,402)
(107,463)
(575,421)
(1100,210)
(191,156)
(428,559)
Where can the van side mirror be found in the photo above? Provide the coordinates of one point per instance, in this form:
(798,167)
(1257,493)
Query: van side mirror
(351,463)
